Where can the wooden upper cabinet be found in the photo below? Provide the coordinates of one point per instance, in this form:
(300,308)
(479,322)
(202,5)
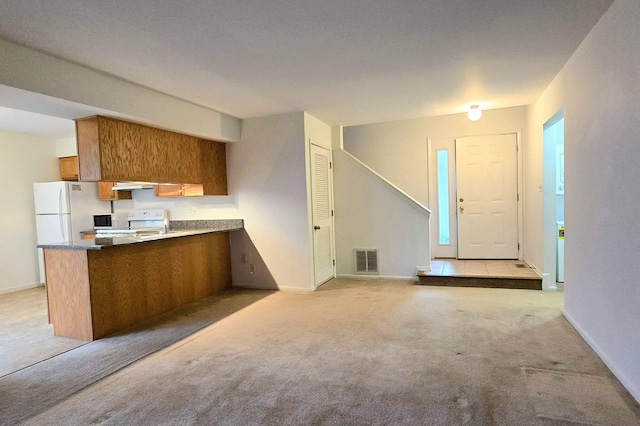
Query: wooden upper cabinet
(116,150)
(68,168)
(212,167)
(183,190)
(105,192)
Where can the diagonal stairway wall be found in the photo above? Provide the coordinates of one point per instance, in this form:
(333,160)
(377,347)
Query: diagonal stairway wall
(398,151)
(372,213)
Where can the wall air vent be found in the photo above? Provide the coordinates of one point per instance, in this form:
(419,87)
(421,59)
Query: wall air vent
(366,261)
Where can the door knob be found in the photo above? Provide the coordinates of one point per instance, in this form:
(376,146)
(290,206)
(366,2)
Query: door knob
(461,209)
(316,227)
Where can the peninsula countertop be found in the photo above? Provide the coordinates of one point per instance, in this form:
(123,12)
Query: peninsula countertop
(177,229)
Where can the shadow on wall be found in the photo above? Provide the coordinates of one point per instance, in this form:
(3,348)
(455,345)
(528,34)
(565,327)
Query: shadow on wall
(247,266)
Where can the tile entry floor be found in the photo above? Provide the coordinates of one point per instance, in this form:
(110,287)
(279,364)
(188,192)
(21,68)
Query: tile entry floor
(481,268)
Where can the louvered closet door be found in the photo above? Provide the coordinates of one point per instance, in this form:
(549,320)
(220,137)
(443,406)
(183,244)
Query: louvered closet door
(321,201)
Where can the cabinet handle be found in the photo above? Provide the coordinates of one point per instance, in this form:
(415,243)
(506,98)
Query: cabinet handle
(316,227)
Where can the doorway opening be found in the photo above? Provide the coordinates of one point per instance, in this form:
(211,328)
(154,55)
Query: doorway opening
(553,201)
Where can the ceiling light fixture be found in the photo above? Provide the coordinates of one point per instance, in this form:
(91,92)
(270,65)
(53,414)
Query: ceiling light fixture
(474,113)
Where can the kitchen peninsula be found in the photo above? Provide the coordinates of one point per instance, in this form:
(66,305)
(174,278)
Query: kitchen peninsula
(97,287)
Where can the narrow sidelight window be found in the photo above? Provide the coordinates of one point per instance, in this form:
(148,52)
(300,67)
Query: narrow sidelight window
(444,236)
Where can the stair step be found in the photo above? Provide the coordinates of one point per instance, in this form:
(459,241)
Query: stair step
(481,281)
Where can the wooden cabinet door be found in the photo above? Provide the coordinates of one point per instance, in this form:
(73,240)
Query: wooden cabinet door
(116,150)
(179,156)
(192,190)
(69,168)
(105,192)
(130,147)
(174,191)
(213,167)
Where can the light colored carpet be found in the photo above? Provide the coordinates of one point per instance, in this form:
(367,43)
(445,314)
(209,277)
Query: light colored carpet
(27,392)
(358,352)
(26,337)
(593,399)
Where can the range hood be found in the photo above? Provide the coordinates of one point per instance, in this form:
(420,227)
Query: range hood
(128,186)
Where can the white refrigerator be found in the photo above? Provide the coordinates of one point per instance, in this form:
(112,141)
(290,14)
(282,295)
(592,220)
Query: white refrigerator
(63,210)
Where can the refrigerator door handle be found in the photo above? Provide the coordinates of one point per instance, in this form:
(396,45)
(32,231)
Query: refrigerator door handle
(60,212)
(60,202)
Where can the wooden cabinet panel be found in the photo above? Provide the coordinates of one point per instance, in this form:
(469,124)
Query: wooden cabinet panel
(107,194)
(88,149)
(167,191)
(68,168)
(192,190)
(173,191)
(116,150)
(213,167)
(94,293)
(127,152)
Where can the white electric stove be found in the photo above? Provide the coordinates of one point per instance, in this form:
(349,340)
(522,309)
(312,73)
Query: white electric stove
(141,222)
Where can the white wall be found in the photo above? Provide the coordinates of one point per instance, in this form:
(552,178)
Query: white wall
(371,214)
(268,186)
(37,82)
(267,174)
(599,88)
(66,147)
(398,150)
(551,101)
(24,160)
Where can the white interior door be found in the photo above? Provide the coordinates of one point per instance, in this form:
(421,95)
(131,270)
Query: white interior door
(487,197)
(322,214)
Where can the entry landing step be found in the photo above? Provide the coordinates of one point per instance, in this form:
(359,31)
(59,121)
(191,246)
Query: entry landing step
(514,274)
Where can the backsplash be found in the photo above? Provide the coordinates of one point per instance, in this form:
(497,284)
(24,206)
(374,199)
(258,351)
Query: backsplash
(206,224)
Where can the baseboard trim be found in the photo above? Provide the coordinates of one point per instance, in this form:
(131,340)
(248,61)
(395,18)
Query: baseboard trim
(279,288)
(547,284)
(633,389)
(531,264)
(376,277)
(254,287)
(295,289)
(19,288)
(425,269)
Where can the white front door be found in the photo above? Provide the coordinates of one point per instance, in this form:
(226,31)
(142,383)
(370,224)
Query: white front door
(487,191)
(322,214)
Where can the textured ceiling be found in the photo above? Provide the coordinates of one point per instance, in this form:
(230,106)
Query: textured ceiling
(344,61)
